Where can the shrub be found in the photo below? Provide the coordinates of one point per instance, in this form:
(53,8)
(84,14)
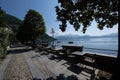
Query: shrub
(4,35)
(2,54)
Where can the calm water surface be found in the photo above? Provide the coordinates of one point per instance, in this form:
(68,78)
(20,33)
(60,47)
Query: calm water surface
(98,43)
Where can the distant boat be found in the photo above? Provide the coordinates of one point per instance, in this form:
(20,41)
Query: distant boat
(70,42)
(58,41)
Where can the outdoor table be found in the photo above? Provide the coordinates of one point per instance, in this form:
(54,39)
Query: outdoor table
(55,50)
(72,48)
(78,53)
(79,57)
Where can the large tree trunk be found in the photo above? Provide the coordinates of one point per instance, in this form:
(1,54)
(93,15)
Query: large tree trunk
(33,44)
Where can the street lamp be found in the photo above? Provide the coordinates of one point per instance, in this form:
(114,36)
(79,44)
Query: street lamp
(53,32)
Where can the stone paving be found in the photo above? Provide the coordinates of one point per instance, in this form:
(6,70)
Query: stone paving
(38,70)
(17,69)
(31,65)
(55,67)
(3,65)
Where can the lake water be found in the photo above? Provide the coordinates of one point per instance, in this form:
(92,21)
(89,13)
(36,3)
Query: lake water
(98,43)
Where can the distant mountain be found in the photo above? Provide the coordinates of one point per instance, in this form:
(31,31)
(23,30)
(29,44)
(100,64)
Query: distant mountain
(71,36)
(67,37)
(46,37)
(111,35)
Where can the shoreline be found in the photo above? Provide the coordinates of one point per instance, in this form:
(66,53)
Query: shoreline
(94,52)
(99,44)
(101,54)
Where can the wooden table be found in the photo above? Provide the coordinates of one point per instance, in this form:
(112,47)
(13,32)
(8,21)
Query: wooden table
(78,53)
(72,48)
(78,57)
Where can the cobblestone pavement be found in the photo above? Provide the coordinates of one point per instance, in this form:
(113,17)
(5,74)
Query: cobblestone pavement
(17,69)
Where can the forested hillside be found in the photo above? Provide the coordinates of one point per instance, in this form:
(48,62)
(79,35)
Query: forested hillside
(13,23)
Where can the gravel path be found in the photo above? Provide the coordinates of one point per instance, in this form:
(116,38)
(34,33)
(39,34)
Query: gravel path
(17,69)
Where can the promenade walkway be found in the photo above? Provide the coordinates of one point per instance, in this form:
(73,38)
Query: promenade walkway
(23,63)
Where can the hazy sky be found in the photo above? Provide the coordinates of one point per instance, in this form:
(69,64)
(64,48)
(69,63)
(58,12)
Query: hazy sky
(19,8)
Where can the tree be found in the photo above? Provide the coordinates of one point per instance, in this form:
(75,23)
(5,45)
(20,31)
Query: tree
(83,12)
(33,26)
(21,34)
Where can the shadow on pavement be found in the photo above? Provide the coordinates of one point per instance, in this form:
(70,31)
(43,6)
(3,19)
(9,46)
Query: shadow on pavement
(60,77)
(17,51)
(76,69)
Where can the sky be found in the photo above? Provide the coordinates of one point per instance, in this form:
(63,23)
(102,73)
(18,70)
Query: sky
(46,8)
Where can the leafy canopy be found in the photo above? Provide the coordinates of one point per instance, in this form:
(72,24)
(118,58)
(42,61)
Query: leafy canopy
(83,12)
(33,26)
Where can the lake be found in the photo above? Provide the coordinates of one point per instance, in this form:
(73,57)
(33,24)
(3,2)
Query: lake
(109,44)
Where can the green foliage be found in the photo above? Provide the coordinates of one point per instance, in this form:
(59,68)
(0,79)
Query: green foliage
(4,35)
(83,12)
(33,26)
(2,54)
(5,39)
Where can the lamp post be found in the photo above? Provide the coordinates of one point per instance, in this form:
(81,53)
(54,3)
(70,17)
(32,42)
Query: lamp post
(52,32)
